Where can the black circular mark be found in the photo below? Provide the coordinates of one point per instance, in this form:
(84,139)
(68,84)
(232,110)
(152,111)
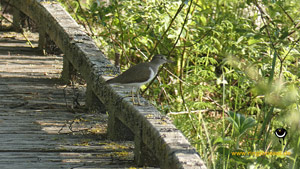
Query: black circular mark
(280,132)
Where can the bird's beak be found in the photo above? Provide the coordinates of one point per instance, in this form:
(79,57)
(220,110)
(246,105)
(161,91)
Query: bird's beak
(169,61)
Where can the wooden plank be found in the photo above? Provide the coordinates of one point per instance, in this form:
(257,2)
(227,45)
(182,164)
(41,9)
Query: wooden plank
(34,118)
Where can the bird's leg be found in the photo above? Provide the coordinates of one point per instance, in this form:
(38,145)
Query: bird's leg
(138,97)
(132,96)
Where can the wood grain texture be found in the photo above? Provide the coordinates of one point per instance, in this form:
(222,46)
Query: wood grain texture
(37,129)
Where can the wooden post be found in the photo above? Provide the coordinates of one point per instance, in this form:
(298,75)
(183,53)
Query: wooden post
(16,20)
(42,39)
(92,102)
(116,130)
(142,155)
(68,70)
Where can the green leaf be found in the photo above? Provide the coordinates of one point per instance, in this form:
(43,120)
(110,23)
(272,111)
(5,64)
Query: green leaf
(221,140)
(240,122)
(138,20)
(253,41)
(284,35)
(240,39)
(203,20)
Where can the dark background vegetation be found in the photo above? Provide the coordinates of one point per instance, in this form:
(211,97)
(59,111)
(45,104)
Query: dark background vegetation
(236,76)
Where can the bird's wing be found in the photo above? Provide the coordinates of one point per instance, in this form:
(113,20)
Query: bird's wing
(135,74)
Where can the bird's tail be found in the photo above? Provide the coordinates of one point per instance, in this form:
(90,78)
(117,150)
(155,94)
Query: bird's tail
(108,81)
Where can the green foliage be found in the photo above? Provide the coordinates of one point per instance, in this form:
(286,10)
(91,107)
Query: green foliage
(231,56)
(240,122)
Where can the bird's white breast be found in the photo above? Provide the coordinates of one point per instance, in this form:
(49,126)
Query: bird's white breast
(152,75)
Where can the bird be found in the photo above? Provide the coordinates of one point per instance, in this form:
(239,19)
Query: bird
(138,75)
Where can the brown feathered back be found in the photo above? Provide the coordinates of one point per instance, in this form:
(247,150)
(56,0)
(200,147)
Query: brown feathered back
(136,74)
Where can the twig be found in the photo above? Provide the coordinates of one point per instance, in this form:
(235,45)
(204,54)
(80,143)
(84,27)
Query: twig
(21,29)
(180,83)
(164,91)
(193,112)
(120,22)
(85,18)
(182,27)
(76,15)
(68,124)
(216,103)
(287,14)
(178,11)
(139,50)
(164,34)
(174,75)
(263,13)
(197,41)
(4,10)
(285,56)
(275,55)
(65,125)
(123,50)
(267,29)
(297,27)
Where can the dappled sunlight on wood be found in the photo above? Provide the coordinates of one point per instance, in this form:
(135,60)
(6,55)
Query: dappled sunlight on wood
(38,123)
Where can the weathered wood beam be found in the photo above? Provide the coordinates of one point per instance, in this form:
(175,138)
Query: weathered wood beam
(154,135)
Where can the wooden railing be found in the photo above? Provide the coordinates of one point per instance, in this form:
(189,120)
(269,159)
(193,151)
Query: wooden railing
(157,140)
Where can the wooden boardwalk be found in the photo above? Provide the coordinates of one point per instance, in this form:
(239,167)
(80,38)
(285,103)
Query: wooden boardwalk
(37,128)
